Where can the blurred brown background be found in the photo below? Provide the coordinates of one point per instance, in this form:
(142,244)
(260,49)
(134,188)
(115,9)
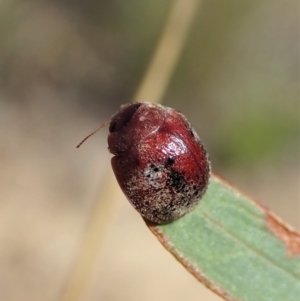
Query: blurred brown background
(66,66)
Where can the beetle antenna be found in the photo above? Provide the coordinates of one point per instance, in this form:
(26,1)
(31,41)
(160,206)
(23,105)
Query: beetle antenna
(94,132)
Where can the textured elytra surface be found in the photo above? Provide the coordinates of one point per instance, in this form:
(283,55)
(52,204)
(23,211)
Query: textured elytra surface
(160,162)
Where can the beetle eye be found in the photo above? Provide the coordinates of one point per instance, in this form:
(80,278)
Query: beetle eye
(122,118)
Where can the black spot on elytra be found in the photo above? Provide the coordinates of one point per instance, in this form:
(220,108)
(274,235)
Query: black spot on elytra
(170,161)
(176,180)
(154,167)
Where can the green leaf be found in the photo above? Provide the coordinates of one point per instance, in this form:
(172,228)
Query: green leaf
(236,247)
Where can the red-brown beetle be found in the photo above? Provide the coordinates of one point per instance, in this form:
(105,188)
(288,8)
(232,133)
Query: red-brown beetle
(159,160)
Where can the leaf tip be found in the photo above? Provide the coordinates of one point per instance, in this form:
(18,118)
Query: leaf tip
(289,236)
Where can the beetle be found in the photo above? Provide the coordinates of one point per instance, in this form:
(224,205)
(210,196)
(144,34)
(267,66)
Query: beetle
(158,159)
